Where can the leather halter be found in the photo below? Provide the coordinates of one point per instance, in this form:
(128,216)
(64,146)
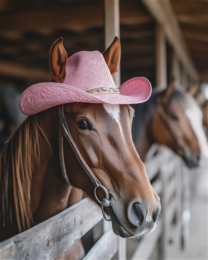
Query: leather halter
(64,130)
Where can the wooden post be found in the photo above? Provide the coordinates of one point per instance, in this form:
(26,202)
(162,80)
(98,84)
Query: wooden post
(186,208)
(161,63)
(184,78)
(164,235)
(175,68)
(112,29)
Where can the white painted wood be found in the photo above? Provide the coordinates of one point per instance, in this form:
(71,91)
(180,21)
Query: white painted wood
(147,244)
(107,225)
(170,208)
(7,250)
(112,28)
(150,154)
(53,236)
(161,63)
(153,166)
(105,248)
(165,228)
(185,207)
(157,186)
(121,248)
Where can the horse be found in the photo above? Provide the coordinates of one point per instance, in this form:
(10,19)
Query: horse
(200,94)
(32,185)
(172,118)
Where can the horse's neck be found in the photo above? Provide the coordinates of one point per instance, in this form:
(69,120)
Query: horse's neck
(143,144)
(142,129)
(50,194)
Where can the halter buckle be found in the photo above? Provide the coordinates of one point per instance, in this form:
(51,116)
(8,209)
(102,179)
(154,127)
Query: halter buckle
(105,201)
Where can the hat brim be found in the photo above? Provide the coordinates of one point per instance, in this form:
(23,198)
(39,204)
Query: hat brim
(42,96)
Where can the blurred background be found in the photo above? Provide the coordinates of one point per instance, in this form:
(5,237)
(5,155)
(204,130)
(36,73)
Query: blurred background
(160,39)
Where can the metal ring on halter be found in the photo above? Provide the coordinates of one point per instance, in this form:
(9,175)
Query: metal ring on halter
(104,215)
(105,201)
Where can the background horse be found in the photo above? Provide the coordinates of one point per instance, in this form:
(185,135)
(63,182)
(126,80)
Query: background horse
(32,188)
(170,117)
(200,94)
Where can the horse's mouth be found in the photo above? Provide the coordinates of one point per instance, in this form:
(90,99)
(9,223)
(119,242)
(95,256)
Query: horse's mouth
(117,227)
(123,232)
(189,163)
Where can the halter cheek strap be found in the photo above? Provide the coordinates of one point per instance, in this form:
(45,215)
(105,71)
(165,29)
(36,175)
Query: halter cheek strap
(64,130)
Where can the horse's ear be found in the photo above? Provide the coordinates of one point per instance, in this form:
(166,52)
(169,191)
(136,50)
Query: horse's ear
(112,55)
(192,90)
(169,90)
(57,60)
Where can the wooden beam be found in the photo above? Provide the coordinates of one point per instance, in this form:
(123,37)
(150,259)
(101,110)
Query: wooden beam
(196,36)
(162,12)
(16,70)
(184,78)
(51,237)
(105,248)
(193,19)
(204,76)
(146,246)
(161,61)
(74,17)
(112,28)
(198,46)
(175,69)
(192,9)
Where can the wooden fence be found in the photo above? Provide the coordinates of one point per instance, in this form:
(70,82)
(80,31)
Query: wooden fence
(52,237)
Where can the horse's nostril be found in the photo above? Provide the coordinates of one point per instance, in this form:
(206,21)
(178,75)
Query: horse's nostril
(137,214)
(156,213)
(198,157)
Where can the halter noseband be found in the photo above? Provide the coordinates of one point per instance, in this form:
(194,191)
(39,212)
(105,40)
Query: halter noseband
(64,130)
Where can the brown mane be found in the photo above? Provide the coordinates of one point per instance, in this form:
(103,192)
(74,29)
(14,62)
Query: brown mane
(16,164)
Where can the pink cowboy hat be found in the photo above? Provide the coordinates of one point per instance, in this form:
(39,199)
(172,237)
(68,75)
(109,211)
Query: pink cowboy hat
(88,80)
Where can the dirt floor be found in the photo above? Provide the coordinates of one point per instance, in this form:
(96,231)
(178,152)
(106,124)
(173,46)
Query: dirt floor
(198,241)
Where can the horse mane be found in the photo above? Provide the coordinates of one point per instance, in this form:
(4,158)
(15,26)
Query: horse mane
(144,110)
(16,164)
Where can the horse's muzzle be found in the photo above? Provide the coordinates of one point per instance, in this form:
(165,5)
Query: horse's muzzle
(138,224)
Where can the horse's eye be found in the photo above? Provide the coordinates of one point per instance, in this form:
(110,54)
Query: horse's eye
(84,124)
(175,118)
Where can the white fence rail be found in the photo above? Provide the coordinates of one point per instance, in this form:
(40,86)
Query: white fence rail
(52,237)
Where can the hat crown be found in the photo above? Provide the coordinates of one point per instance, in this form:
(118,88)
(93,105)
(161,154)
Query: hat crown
(86,70)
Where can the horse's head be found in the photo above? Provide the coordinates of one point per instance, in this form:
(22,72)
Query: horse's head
(103,136)
(178,125)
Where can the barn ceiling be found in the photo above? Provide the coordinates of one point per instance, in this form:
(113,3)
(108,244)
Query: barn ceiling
(28,29)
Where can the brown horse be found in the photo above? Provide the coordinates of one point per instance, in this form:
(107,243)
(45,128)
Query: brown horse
(171,118)
(32,188)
